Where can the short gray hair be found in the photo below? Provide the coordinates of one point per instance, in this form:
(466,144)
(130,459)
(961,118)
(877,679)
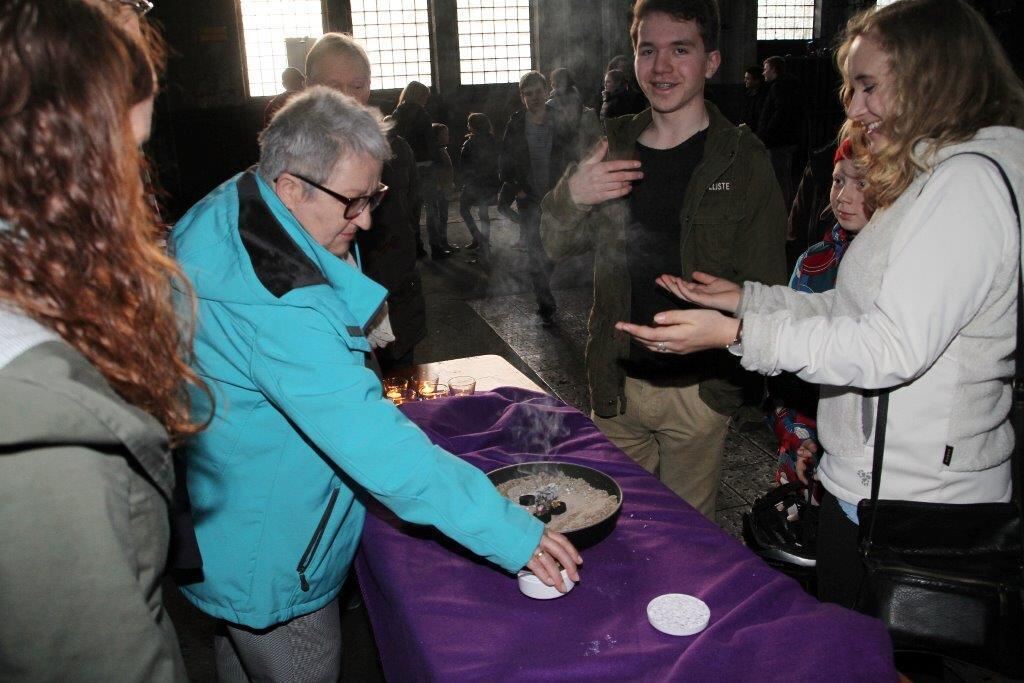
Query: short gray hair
(335,44)
(316,130)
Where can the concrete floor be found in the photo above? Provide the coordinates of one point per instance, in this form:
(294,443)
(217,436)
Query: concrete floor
(474,310)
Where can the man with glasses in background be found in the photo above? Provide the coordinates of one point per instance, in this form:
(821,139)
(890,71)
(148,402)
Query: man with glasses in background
(389,250)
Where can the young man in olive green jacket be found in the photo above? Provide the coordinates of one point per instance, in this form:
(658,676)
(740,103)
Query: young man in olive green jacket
(676,188)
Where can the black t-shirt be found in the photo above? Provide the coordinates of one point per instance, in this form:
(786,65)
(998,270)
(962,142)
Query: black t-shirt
(653,237)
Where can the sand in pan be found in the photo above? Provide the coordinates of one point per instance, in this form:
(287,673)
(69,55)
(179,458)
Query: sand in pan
(584,504)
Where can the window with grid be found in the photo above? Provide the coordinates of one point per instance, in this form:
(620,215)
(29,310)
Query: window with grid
(266,27)
(396,35)
(494,40)
(785,19)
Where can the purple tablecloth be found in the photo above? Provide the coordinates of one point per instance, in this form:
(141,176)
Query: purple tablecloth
(445,616)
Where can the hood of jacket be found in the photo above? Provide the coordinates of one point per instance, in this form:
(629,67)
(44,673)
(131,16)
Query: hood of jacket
(61,399)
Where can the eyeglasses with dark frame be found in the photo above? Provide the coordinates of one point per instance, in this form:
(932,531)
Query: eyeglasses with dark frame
(353,205)
(141,7)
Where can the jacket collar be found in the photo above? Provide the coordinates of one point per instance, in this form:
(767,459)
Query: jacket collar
(286,258)
(720,130)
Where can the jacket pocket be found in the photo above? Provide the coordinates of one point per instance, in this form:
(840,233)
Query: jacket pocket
(314,542)
(714,231)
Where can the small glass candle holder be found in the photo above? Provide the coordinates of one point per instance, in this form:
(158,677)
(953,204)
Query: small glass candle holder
(395,390)
(426,386)
(462,386)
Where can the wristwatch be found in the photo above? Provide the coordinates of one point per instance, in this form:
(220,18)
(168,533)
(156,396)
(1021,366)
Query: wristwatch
(735,347)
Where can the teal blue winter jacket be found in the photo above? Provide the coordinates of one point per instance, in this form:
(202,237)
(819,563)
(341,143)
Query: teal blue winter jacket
(301,431)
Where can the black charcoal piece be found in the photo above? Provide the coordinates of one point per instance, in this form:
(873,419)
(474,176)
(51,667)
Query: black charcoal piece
(544,516)
(528,499)
(557,508)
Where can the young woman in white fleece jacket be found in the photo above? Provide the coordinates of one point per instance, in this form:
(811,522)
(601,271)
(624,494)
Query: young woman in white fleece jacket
(925,302)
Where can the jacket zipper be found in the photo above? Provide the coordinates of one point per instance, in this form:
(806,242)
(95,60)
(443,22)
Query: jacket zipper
(314,543)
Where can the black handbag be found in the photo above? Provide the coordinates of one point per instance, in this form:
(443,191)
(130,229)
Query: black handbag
(948,579)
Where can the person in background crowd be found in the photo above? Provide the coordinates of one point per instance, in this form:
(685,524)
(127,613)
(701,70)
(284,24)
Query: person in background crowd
(293,81)
(925,302)
(565,98)
(93,358)
(676,188)
(436,198)
(534,152)
(811,201)
(616,100)
(754,95)
(412,124)
(634,100)
(389,250)
(302,432)
(479,157)
(792,402)
(781,122)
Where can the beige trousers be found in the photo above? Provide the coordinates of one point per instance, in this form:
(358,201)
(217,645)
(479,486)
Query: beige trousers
(674,435)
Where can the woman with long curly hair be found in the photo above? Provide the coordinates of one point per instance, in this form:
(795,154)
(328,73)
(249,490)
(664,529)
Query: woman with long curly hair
(925,302)
(93,359)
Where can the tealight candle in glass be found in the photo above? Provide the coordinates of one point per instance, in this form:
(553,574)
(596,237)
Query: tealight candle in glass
(394,389)
(426,386)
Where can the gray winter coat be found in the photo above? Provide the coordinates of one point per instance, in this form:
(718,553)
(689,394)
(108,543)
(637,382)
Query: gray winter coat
(85,481)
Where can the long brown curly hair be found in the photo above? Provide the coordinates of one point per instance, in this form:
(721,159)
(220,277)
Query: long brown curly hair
(950,78)
(78,241)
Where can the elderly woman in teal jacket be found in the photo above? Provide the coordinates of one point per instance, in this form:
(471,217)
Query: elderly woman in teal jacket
(300,428)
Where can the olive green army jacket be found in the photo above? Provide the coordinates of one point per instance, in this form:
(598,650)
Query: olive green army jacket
(733,226)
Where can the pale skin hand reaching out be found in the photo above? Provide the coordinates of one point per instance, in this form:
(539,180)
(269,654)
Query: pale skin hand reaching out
(684,332)
(693,330)
(555,549)
(705,290)
(597,181)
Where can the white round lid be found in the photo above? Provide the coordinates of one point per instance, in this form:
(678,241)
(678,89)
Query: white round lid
(533,587)
(678,614)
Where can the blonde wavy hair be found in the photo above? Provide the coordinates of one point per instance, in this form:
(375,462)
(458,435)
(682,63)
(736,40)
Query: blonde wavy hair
(950,78)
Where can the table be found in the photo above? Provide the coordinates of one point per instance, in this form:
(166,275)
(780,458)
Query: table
(490,371)
(440,614)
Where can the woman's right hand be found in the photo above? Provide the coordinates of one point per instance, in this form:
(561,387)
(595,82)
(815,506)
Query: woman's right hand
(705,290)
(555,549)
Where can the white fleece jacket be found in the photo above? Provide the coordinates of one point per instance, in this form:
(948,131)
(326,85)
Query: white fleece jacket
(925,303)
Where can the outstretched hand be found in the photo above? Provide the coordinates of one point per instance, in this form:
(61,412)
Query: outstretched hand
(684,332)
(596,181)
(705,290)
(554,550)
